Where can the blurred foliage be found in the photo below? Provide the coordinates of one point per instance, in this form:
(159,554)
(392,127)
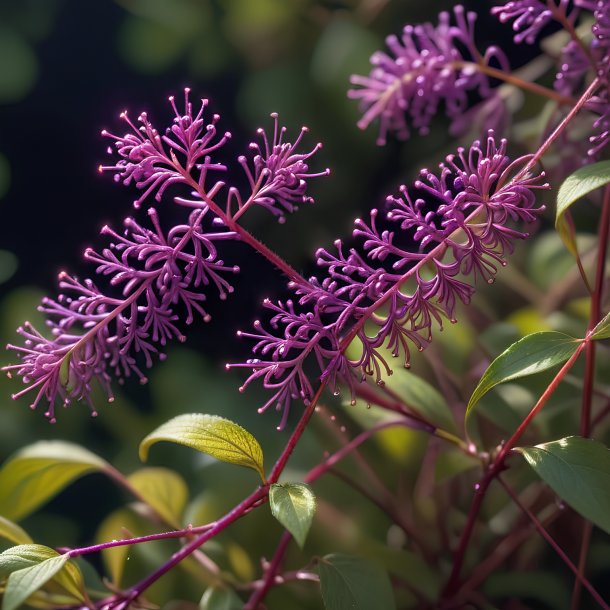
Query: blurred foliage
(253,57)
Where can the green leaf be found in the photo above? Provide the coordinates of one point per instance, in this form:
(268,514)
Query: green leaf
(29,567)
(220,599)
(219,437)
(582,182)
(453,462)
(11,531)
(293,505)
(602,330)
(578,470)
(532,354)
(40,471)
(422,397)
(164,490)
(353,583)
(118,525)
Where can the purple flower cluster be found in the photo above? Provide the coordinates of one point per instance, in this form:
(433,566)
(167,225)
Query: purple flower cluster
(386,296)
(97,334)
(428,65)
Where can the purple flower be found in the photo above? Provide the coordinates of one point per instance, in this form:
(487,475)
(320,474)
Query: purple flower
(384,295)
(153,273)
(428,65)
(530,16)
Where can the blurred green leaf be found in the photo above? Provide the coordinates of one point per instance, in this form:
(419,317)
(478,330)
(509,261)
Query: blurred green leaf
(11,531)
(531,586)
(528,356)
(294,506)
(452,462)
(118,525)
(602,330)
(422,397)
(578,470)
(582,182)
(40,471)
(29,567)
(18,67)
(8,263)
(353,583)
(211,434)
(220,599)
(164,490)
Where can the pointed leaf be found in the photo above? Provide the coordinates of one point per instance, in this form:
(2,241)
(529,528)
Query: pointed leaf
(211,434)
(582,182)
(220,599)
(352,583)
(11,531)
(602,330)
(39,472)
(293,505)
(578,470)
(29,567)
(164,490)
(532,354)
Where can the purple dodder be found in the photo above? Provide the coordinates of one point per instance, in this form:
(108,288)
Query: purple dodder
(156,275)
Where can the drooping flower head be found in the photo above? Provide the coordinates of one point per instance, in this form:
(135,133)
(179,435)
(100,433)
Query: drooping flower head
(428,65)
(384,296)
(155,275)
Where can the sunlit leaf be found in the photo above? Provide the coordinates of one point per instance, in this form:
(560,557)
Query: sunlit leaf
(220,599)
(602,330)
(578,470)
(528,356)
(582,182)
(294,506)
(40,471)
(353,583)
(29,567)
(11,531)
(164,490)
(211,434)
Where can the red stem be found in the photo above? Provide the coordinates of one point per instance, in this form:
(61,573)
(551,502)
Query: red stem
(496,467)
(581,579)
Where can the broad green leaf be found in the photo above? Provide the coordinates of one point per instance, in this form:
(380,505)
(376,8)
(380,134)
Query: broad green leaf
(578,470)
(353,583)
(220,599)
(118,525)
(29,567)
(528,356)
(11,531)
(422,397)
(40,471)
(211,434)
(164,490)
(602,330)
(582,182)
(293,505)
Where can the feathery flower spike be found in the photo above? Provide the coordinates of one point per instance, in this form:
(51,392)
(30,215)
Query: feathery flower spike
(383,295)
(154,273)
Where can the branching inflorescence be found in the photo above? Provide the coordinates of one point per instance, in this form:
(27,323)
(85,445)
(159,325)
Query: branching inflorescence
(95,335)
(385,295)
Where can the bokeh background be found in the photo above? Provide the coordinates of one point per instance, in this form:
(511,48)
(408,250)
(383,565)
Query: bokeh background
(67,68)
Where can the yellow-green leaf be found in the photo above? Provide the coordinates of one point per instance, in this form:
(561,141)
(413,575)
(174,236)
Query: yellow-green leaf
(118,525)
(162,489)
(11,531)
(602,330)
(40,471)
(30,566)
(211,434)
(293,505)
